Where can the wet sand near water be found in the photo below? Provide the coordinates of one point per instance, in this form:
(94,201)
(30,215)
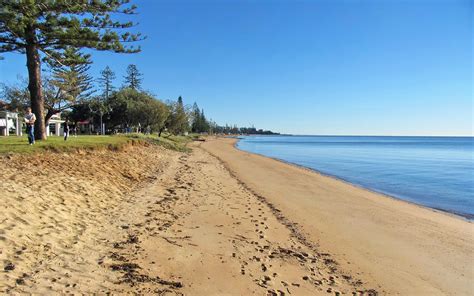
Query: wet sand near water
(394,246)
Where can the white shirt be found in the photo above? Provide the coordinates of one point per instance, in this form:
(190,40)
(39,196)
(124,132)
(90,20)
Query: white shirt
(29,118)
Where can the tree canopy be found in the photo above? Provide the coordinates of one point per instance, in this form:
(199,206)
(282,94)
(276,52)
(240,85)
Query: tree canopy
(131,107)
(199,122)
(45,29)
(124,110)
(106,81)
(177,122)
(133,79)
(70,81)
(52,26)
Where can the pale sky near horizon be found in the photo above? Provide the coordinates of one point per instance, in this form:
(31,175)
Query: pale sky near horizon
(307,67)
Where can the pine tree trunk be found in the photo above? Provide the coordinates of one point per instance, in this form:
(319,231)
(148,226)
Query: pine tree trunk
(34,86)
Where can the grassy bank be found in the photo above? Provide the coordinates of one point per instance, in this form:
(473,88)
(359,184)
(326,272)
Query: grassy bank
(15,144)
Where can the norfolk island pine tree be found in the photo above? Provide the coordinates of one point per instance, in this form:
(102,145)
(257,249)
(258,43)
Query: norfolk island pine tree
(45,28)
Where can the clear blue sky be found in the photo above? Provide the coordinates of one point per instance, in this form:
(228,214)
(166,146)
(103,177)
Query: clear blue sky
(308,67)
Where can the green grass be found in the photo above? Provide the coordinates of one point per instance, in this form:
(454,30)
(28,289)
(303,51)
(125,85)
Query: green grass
(14,144)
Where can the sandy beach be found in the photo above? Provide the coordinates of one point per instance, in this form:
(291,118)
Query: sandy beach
(215,221)
(394,246)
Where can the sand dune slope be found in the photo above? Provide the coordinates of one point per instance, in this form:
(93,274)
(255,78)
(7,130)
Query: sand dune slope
(58,213)
(148,220)
(151,221)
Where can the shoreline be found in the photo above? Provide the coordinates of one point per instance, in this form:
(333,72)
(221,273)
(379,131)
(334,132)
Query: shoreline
(147,220)
(385,239)
(463,216)
(380,136)
(216,220)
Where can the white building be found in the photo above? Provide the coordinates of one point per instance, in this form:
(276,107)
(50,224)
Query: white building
(10,123)
(54,128)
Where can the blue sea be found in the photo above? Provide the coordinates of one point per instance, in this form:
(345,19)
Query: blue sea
(436,172)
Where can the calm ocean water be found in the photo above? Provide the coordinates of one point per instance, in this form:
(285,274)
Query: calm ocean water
(437,172)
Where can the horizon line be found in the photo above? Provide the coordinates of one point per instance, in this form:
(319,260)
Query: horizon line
(362,135)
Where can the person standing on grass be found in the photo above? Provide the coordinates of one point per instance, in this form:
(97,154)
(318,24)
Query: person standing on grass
(30,119)
(74,130)
(66,130)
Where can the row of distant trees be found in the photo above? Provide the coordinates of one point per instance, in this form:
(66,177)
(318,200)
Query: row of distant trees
(235,130)
(79,97)
(74,93)
(52,36)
